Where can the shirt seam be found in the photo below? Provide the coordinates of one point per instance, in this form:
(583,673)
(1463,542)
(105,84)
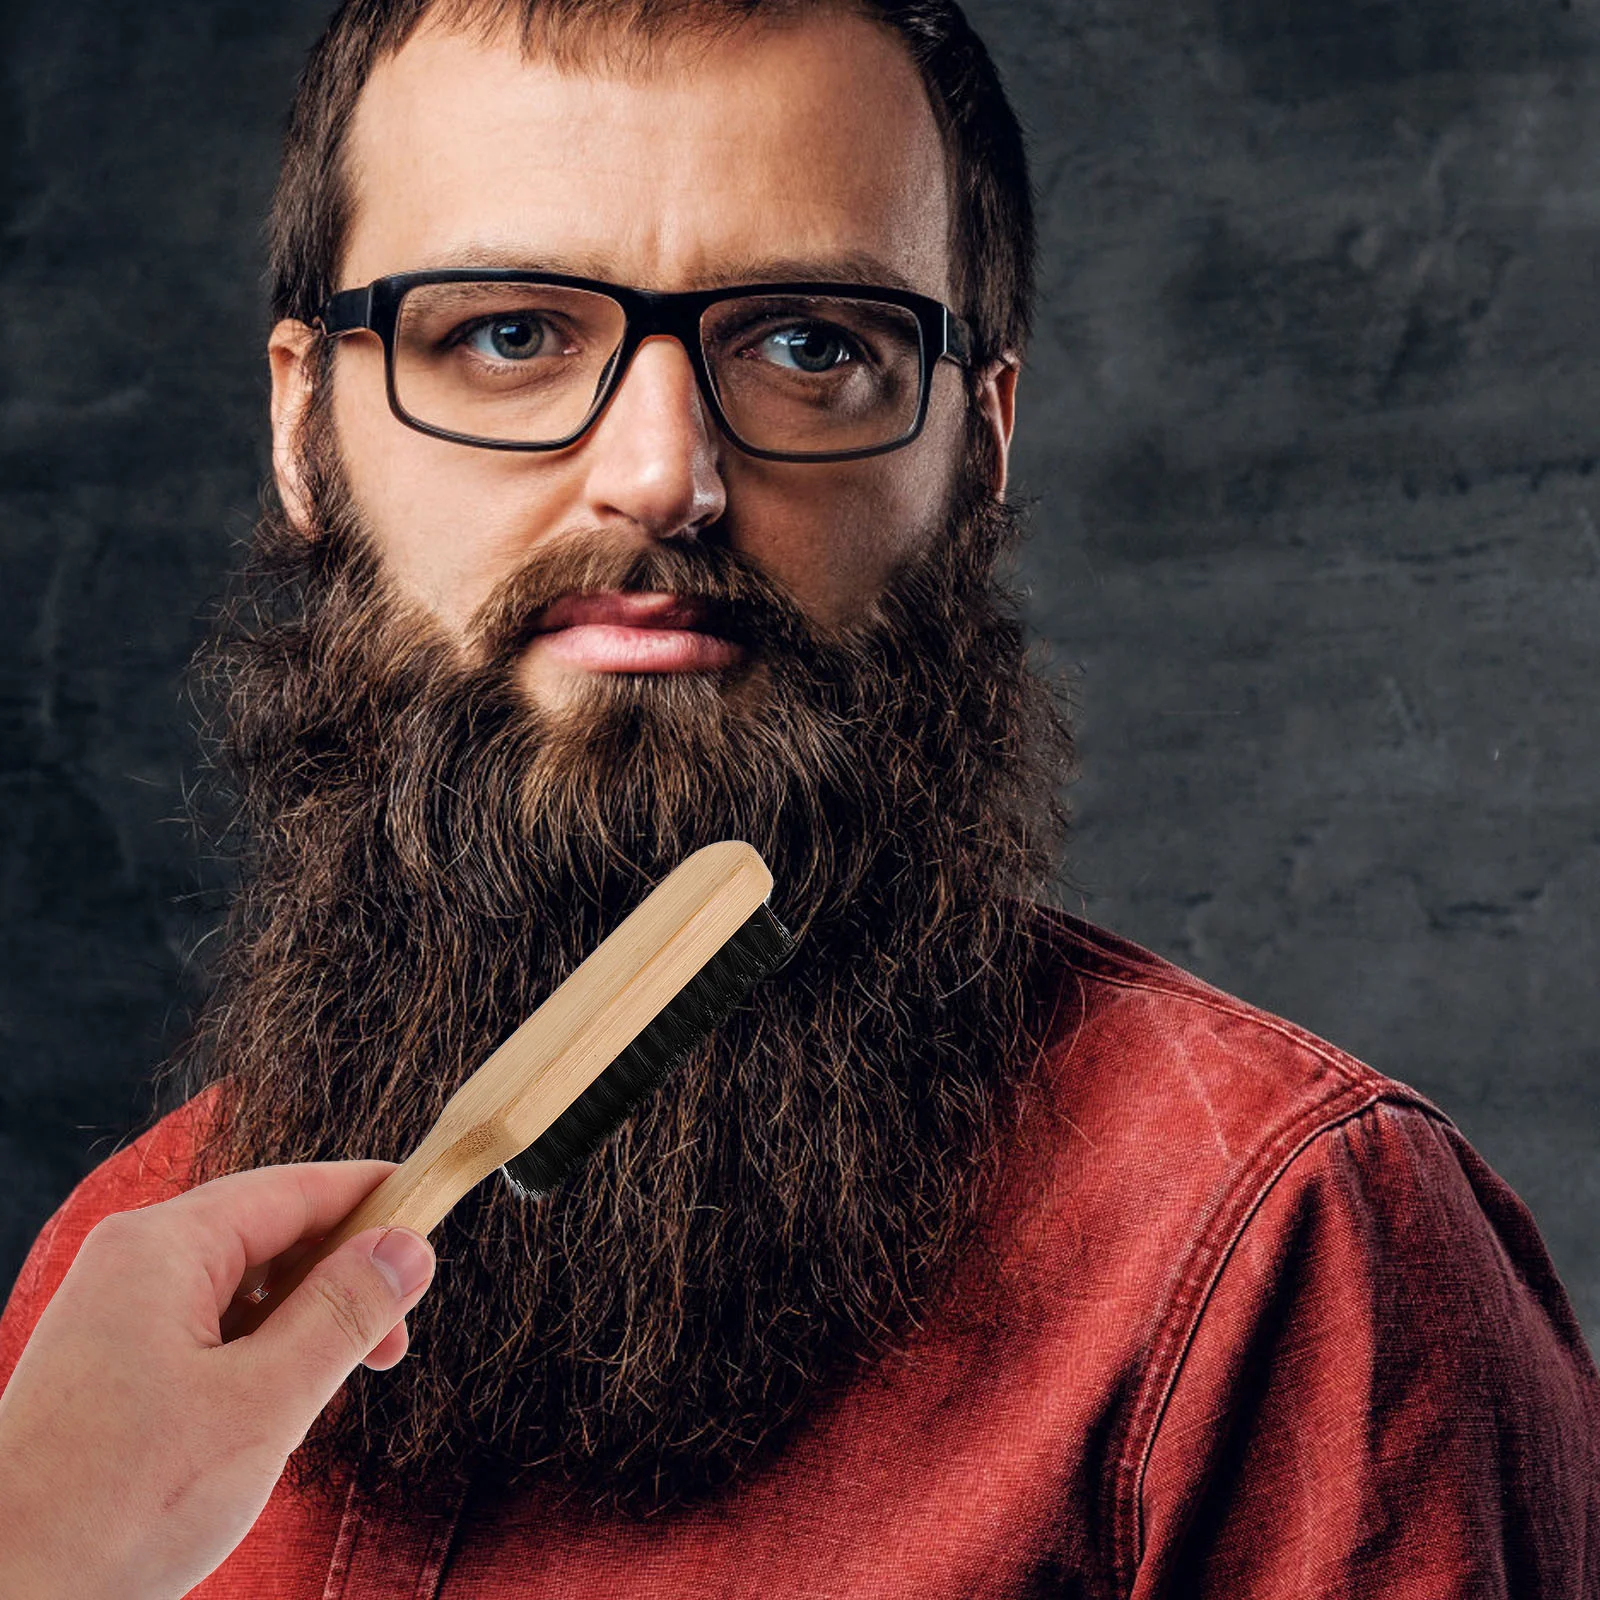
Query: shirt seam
(1355,1073)
(344,1544)
(1176,1332)
(431,1540)
(1198,992)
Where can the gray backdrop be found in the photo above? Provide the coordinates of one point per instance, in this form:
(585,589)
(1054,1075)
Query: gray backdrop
(1310,425)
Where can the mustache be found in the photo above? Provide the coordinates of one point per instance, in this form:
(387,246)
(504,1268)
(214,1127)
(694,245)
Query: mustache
(741,602)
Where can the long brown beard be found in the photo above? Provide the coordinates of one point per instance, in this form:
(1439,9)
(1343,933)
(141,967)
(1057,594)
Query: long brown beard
(426,856)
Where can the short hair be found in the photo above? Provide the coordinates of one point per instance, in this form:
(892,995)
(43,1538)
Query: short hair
(992,243)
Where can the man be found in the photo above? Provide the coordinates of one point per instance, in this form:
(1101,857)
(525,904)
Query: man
(983,1253)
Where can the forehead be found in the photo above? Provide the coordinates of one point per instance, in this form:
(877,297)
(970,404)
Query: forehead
(808,144)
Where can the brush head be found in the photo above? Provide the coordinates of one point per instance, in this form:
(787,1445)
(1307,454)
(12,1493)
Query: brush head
(756,950)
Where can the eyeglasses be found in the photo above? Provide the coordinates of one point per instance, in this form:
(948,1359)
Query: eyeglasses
(512,360)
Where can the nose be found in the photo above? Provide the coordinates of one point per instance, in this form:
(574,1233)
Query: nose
(653,458)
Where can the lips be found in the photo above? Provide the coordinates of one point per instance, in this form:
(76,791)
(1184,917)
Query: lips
(615,632)
(624,611)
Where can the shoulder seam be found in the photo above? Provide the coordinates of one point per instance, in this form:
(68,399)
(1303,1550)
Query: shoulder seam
(1242,1011)
(1356,1072)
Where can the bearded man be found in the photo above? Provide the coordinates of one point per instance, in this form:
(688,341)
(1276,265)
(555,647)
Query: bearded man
(643,381)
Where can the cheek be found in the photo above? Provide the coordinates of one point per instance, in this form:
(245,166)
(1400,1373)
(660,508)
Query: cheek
(836,535)
(449,521)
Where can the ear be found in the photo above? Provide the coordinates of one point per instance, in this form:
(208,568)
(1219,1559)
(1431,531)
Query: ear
(997,400)
(289,352)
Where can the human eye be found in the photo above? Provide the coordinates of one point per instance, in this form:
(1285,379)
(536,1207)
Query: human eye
(815,343)
(809,347)
(511,336)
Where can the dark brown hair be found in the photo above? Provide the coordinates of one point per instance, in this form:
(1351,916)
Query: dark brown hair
(992,241)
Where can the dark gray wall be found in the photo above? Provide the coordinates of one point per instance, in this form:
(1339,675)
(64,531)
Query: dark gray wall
(1311,428)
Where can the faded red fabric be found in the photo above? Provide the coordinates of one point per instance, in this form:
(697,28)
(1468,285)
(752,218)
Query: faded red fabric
(1270,1329)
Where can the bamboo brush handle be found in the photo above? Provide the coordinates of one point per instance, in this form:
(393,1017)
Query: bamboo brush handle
(550,1060)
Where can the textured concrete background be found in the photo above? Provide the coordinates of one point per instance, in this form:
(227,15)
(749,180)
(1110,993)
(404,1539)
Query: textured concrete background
(1310,425)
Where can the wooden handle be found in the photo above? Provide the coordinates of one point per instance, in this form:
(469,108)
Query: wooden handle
(550,1060)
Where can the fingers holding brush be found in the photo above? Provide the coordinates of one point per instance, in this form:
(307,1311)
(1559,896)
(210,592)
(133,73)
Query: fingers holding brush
(240,1227)
(136,1448)
(278,1215)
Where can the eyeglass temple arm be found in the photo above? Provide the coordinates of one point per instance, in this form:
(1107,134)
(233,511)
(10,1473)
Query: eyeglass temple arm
(958,340)
(347,311)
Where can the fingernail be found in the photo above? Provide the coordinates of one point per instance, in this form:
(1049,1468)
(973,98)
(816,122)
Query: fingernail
(405,1259)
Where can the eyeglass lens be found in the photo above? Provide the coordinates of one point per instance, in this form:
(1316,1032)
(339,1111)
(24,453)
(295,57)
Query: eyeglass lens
(517,363)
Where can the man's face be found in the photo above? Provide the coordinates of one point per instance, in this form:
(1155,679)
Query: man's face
(807,151)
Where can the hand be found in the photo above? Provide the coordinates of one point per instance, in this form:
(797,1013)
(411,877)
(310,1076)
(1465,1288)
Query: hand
(136,1449)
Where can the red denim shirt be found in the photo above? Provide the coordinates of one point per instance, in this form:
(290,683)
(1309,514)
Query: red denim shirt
(1272,1329)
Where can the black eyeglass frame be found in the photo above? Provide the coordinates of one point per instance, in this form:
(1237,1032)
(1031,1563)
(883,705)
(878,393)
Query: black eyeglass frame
(375,308)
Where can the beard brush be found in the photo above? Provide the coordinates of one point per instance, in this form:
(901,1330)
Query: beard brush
(675,968)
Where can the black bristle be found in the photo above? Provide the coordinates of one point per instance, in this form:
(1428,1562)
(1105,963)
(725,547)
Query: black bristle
(704,1003)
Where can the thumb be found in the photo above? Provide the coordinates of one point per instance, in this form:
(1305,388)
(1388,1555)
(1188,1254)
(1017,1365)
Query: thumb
(345,1306)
